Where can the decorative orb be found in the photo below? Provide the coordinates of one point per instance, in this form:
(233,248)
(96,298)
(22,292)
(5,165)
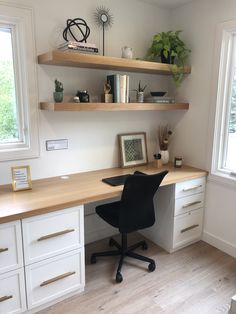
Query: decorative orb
(77,30)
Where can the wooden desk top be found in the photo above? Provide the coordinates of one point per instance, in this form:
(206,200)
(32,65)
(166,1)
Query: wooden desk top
(55,193)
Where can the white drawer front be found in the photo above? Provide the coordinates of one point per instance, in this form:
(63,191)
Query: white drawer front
(12,292)
(190,187)
(187,227)
(10,246)
(48,235)
(186,204)
(54,277)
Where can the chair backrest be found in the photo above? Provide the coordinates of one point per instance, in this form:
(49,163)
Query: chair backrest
(137,208)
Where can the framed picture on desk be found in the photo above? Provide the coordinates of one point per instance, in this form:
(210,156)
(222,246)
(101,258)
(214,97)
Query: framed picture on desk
(133,149)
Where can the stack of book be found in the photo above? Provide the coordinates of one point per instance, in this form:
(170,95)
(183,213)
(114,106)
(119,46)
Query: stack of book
(78,46)
(119,87)
(160,100)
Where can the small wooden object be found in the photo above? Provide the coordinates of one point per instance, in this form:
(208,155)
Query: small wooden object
(157,163)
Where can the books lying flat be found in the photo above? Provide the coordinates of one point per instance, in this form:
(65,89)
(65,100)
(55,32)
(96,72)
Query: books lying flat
(160,100)
(119,87)
(77,44)
(80,49)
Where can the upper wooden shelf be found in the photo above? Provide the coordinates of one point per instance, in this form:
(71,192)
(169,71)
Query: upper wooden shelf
(75,59)
(71,106)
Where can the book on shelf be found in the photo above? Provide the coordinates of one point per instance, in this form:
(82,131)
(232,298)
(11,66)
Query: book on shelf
(76,44)
(160,100)
(79,49)
(119,87)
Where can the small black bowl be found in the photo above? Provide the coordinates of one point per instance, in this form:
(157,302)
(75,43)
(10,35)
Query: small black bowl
(158,94)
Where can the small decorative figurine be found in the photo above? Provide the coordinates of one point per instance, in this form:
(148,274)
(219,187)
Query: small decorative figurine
(58,94)
(107,96)
(83,96)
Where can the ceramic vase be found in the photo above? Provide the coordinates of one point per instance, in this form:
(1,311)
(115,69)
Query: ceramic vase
(165,156)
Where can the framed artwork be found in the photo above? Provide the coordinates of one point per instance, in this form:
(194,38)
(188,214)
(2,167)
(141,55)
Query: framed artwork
(133,149)
(21,179)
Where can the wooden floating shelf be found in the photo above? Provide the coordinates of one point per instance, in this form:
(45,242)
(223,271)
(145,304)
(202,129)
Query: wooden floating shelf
(76,59)
(111,106)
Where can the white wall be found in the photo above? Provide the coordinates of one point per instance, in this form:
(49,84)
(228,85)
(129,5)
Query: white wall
(92,136)
(199,20)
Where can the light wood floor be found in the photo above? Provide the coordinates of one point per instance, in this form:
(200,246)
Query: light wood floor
(198,279)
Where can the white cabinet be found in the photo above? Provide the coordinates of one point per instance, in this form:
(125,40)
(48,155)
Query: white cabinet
(54,277)
(54,255)
(10,246)
(12,292)
(52,234)
(179,215)
(53,262)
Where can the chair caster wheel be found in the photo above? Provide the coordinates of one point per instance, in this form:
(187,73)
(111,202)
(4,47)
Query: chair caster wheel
(144,246)
(119,277)
(111,242)
(93,260)
(151,267)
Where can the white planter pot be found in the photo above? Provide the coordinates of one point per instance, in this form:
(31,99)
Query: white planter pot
(165,156)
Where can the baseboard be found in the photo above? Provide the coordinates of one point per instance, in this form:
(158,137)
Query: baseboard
(219,243)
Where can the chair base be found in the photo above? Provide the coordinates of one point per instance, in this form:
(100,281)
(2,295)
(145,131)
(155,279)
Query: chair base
(124,251)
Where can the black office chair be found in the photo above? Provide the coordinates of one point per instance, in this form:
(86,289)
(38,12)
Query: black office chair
(133,212)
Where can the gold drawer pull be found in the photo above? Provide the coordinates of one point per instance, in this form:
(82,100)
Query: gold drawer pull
(189,228)
(49,281)
(191,204)
(3,250)
(7,297)
(192,188)
(56,234)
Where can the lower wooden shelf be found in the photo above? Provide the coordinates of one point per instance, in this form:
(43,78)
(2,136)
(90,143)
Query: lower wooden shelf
(70,106)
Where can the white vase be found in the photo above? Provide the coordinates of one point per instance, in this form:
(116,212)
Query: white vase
(165,156)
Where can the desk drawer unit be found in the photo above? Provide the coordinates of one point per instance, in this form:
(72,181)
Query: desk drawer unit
(54,277)
(51,234)
(12,292)
(11,256)
(187,227)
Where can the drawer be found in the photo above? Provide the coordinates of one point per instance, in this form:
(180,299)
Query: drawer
(54,277)
(188,203)
(11,256)
(12,292)
(190,187)
(51,234)
(187,227)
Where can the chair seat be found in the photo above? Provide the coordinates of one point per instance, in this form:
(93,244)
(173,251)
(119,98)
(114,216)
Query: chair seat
(109,213)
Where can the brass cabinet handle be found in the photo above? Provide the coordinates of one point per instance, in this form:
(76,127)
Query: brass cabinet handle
(191,204)
(7,297)
(192,188)
(3,250)
(49,281)
(189,228)
(56,234)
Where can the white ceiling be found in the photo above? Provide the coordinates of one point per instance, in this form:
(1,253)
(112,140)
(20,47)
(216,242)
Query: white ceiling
(170,4)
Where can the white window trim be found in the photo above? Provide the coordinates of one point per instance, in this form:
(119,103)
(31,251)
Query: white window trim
(219,113)
(22,19)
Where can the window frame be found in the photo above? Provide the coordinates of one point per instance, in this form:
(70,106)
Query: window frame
(20,19)
(219,115)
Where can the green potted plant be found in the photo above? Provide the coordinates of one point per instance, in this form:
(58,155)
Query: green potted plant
(58,94)
(140,92)
(169,48)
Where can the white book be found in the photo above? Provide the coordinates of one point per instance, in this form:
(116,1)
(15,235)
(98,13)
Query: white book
(127,88)
(123,85)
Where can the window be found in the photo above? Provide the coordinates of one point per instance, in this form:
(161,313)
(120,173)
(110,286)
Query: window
(18,101)
(224,146)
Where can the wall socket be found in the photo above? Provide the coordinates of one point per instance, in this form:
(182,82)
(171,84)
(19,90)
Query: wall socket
(56,144)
